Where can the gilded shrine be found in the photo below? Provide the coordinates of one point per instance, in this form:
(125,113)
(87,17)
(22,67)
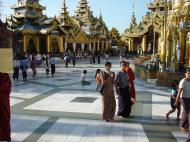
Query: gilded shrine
(163,32)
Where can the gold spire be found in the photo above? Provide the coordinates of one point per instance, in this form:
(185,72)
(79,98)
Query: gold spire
(100,17)
(64,13)
(133,18)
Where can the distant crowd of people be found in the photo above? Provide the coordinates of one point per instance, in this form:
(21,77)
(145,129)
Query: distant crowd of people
(33,61)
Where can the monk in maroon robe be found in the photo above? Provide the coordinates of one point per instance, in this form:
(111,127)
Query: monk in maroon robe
(131,80)
(5,89)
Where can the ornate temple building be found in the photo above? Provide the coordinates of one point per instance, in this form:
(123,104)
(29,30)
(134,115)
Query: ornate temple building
(164,31)
(35,32)
(5,36)
(178,33)
(144,37)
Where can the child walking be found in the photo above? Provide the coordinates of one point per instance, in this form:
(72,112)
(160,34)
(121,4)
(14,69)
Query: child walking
(174,92)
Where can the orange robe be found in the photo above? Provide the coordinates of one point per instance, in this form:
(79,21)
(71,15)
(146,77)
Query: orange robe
(131,80)
(5,89)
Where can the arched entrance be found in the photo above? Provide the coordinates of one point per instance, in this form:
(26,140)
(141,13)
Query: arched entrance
(86,49)
(70,49)
(43,46)
(54,46)
(31,49)
(78,49)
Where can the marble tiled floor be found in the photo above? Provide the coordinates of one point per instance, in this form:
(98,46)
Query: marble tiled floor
(23,126)
(43,110)
(67,130)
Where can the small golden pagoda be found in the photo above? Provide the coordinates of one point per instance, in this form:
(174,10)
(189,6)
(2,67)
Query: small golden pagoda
(36,33)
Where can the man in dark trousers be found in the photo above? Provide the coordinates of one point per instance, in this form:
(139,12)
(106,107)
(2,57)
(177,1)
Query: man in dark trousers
(5,89)
(98,58)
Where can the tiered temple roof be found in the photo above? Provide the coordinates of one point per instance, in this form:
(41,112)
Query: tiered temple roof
(28,17)
(69,24)
(90,25)
(153,18)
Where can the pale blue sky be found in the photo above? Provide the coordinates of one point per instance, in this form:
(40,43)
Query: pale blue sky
(116,13)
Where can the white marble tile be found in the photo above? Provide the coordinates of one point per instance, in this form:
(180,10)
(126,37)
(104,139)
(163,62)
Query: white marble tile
(92,86)
(180,136)
(159,92)
(74,130)
(61,101)
(22,126)
(14,101)
(140,88)
(29,91)
(76,134)
(161,105)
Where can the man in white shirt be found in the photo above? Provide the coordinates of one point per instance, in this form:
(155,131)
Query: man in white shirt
(184,97)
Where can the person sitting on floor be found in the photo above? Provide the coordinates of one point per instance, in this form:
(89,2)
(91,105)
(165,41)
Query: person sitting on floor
(83,78)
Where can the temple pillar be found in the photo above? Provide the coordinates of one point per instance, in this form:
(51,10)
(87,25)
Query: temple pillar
(65,46)
(74,47)
(144,44)
(90,47)
(102,45)
(182,44)
(98,45)
(129,45)
(82,45)
(107,44)
(186,55)
(48,44)
(24,43)
(163,51)
(168,53)
(94,46)
(61,44)
(132,44)
(38,44)
(174,49)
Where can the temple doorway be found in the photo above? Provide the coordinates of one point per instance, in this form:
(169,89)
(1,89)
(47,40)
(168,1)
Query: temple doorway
(70,49)
(43,46)
(78,49)
(54,46)
(31,49)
